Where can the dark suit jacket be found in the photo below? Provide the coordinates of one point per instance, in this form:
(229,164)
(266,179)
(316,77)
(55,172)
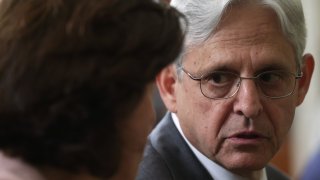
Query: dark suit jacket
(168,157)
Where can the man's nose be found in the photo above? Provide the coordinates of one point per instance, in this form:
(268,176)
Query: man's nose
(247,100)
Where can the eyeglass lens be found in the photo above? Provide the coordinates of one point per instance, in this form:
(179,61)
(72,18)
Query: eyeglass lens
(272,84)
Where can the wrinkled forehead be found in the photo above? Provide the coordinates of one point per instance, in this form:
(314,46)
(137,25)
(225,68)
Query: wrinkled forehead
(241,40)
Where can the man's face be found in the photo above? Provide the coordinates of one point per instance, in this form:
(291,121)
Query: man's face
(244,132)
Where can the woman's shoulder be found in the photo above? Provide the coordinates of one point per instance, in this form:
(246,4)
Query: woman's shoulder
(16,169)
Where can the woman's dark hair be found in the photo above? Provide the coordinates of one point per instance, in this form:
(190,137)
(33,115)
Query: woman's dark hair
(70,69)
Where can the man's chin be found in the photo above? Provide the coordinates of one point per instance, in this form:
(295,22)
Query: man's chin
(245,163)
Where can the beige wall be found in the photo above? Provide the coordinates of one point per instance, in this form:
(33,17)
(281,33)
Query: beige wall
(306,129)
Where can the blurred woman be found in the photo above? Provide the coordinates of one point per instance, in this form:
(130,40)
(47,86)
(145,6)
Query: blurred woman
(75,85)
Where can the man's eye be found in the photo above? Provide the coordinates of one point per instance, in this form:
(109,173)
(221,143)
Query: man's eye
(270,77)
(220,78)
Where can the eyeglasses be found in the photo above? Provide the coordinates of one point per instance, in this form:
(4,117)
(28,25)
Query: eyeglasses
(222,84)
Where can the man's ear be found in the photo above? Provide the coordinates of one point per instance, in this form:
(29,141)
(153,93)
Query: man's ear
(166,81)
(304,82)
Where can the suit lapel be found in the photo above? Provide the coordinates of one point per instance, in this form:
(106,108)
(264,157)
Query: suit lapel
(180,159)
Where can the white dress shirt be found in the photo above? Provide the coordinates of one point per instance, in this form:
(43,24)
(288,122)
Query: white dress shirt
(216,171)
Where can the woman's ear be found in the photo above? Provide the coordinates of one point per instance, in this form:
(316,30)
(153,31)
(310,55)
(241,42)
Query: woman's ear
(166,81)
(304,82)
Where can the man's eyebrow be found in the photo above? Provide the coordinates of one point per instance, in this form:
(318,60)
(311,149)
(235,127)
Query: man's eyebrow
(263,68)
(210,70)
(271,67)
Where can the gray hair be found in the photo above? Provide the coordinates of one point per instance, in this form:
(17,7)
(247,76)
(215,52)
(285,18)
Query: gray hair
(204,16)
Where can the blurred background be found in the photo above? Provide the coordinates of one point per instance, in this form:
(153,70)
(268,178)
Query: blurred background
(304,138)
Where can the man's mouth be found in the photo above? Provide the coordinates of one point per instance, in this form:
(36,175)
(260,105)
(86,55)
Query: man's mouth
(248,135)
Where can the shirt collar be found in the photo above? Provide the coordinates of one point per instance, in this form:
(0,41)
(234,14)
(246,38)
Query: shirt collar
(215,170)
